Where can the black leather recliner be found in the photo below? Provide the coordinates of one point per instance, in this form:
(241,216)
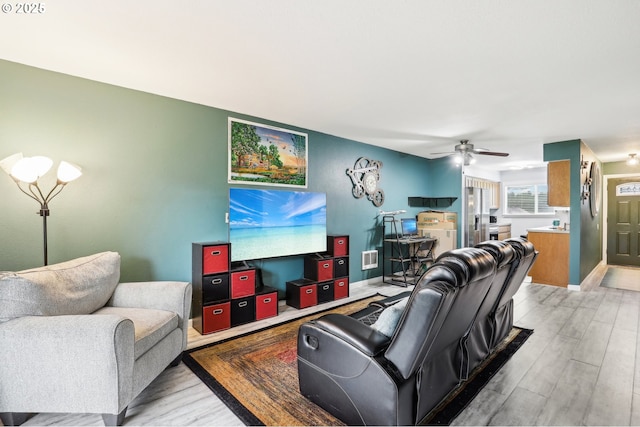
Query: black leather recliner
(362,376)
(481,337)
(502,317)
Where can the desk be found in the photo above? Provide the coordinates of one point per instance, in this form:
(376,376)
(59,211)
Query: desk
(401,263)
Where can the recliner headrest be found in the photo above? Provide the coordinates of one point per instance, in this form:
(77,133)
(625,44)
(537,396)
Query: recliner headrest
(523,247)
(437,273)
(469,264)
(503,252)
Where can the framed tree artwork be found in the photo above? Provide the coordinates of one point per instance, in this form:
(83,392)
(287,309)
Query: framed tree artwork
(266,155)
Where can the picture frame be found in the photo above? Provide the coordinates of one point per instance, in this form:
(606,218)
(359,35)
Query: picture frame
(267,155)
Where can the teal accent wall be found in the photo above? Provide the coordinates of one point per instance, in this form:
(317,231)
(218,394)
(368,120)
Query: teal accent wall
(586,231)
(447,179)
(155,178)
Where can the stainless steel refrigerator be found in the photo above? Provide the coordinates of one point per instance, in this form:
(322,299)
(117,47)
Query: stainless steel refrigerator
(477,227)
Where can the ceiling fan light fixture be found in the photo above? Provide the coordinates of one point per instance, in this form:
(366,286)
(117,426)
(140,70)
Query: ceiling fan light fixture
(464,159)
(469,159)
(463,153)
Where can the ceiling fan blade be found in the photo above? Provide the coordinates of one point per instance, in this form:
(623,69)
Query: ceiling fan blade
(490,153)
(465,149)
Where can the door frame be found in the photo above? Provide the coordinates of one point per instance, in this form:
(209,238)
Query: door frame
(605,208)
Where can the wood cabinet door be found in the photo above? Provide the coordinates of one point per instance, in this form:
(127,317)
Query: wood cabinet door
(558,182)
(552,264)
(495,195)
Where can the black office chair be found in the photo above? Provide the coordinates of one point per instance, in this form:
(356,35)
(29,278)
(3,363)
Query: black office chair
(424,255)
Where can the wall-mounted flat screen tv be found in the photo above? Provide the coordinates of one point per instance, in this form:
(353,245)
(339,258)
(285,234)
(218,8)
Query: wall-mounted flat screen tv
(276,223)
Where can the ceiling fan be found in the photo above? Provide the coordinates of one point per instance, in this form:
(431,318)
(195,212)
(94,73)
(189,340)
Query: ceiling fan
(464,152)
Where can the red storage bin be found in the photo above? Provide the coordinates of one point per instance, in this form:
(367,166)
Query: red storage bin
(215,259)
(266,303)
(341,288)
(243,283)
(302,293)
(216,317)
(318,268)
(338,245)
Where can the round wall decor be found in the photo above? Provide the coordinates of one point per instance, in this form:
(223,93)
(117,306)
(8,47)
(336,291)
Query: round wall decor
(594,188)
(365,176)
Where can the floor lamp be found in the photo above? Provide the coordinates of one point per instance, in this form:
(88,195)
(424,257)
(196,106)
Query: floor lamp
(25,171)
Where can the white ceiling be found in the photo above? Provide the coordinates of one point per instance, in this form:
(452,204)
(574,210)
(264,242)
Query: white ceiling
(411,75)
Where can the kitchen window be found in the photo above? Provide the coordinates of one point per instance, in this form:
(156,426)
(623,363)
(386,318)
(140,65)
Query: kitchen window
(527,200)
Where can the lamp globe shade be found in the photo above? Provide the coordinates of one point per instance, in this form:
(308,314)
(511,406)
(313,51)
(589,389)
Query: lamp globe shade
(8,162)
(25,170)
(68,172)
(41,164)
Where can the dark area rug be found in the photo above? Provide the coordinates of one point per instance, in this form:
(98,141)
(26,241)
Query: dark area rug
(618,277)
(256,375)
(455,403)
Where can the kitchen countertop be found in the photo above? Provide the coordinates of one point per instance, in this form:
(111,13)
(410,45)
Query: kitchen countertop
(549,229)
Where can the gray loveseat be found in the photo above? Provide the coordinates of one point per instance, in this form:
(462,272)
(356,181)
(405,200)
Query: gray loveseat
(74,339)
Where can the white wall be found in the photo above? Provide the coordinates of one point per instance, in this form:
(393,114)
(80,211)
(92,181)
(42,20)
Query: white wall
(520,224)
(479,172)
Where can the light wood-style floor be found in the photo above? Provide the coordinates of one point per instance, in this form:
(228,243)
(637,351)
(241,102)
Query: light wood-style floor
(580,367)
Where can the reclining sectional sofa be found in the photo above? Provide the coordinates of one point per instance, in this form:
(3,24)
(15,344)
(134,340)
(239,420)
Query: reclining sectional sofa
(422,346)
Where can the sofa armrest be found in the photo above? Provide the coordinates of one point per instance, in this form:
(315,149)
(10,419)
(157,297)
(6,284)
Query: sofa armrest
(83,359)
(159,295)
(389,301)
(363,337)
(339,345)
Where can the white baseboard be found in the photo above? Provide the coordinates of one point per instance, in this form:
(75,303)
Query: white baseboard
(366,282)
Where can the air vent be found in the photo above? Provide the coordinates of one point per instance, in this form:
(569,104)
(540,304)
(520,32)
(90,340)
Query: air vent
(369,260)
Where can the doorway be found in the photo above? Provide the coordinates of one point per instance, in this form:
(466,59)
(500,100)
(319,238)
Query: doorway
(623,221)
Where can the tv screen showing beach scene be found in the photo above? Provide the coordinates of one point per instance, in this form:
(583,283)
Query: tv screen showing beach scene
(276,223)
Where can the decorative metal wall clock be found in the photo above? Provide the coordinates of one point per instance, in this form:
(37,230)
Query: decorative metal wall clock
(586,184)
(594,189)
(365,175)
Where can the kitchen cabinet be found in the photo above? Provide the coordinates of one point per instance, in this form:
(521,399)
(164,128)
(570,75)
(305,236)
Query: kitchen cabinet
(494,202)
(491,190)
(500,231)
(552,265)
(504,231)
(558,183)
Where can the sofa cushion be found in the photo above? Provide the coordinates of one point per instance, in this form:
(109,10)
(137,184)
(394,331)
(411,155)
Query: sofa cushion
(389,318)
(79,286)
(151,325)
